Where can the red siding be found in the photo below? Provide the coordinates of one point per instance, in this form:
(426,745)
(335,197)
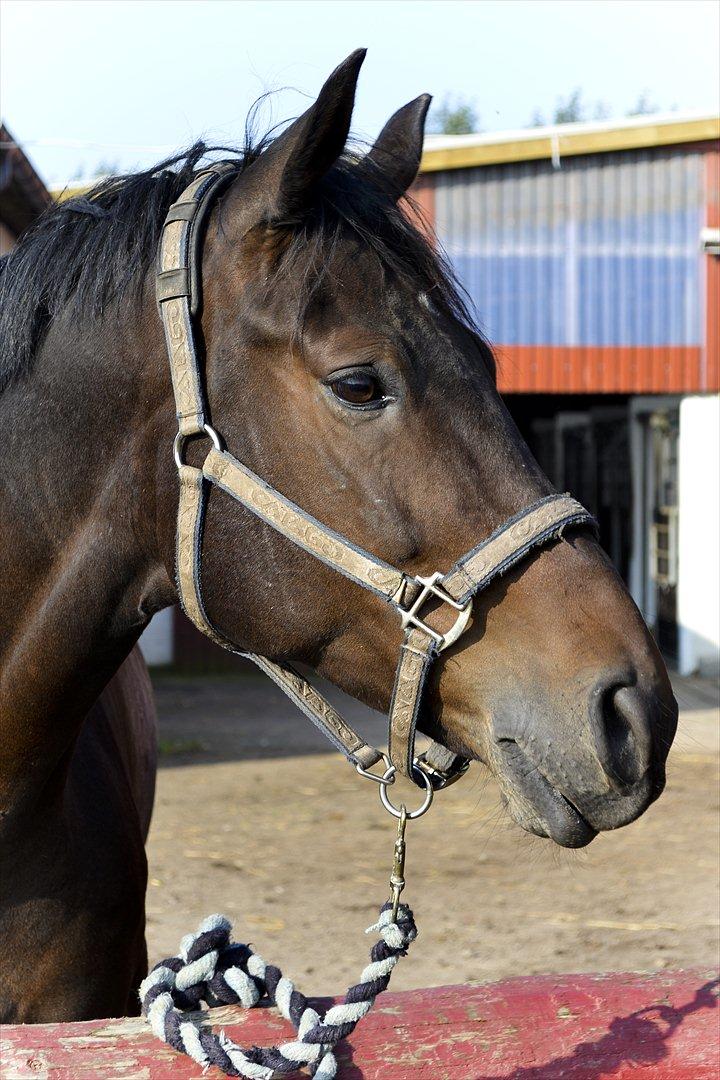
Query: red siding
(584,369)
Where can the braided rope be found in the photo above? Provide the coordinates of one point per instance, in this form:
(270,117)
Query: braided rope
(212,969)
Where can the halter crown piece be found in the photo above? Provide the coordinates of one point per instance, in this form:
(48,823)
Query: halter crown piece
(209,967)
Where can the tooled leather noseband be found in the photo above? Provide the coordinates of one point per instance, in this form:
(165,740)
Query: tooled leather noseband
(178,285)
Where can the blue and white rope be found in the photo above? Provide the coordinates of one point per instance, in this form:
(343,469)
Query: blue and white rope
(213,970)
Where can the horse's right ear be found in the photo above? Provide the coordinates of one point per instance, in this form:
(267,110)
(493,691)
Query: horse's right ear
(288,171)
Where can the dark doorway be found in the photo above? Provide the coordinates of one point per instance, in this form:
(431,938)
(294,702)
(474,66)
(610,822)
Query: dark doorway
(583,444)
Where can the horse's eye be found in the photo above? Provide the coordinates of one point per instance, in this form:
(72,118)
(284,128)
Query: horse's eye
(358,388)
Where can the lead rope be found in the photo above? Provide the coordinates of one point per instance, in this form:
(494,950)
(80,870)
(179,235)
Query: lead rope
(212,969)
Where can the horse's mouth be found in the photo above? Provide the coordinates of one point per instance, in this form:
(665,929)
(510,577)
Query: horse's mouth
(534,803)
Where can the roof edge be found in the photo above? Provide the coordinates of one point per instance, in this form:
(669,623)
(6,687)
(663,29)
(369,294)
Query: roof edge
(17,168)
(565,140)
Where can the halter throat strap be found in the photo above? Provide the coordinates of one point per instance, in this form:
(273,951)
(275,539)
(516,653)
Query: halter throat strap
(178,285)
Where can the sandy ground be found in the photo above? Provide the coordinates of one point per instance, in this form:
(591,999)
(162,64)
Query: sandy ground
(254,818)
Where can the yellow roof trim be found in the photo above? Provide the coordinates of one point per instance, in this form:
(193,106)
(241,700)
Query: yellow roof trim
(69,192)
(560,144)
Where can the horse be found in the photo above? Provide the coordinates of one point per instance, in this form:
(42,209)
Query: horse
(343,366)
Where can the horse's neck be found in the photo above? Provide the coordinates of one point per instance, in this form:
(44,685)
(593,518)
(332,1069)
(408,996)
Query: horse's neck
(79,569)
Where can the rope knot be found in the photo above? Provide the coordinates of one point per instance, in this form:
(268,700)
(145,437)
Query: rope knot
(398,934)
(213,969)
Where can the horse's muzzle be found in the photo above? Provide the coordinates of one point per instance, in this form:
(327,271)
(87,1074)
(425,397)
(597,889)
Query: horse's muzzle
(569,778)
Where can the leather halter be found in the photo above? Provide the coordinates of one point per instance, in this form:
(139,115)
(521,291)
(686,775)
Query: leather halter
(178,285)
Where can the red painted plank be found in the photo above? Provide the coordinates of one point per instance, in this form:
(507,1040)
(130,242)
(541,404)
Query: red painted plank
(575,1027)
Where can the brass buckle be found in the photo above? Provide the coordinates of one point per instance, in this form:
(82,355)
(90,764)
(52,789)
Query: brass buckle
(431,587)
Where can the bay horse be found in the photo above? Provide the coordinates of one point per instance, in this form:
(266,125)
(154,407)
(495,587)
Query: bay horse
(343,367)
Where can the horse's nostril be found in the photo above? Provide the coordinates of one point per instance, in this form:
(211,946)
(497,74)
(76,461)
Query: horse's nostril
(622,734)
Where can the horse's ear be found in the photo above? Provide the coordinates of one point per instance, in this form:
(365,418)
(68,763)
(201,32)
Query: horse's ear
(398,148)
(299,158)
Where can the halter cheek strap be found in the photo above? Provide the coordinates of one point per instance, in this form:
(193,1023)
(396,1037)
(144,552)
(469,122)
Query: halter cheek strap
(178,294)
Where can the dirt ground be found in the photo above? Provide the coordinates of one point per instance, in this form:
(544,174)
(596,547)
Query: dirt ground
(255,819)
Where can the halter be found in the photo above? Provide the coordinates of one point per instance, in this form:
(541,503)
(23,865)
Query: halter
(209,966)
(178,290)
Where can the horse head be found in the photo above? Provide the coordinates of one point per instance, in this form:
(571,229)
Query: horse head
(342,366)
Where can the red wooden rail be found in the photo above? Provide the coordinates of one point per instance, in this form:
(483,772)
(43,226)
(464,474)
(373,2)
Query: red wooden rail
(574,1027)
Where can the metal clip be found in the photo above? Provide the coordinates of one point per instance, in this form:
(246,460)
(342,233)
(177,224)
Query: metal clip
(397,878)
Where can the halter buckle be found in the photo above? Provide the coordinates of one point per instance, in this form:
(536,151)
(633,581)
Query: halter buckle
(441,780)
(430,587)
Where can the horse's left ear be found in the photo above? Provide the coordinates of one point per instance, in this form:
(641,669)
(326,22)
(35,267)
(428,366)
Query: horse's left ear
(398,148)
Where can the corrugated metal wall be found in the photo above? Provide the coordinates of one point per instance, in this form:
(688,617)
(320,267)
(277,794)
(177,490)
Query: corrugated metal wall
(588,276)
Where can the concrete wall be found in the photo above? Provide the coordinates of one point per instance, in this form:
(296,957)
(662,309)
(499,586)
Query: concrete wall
(699,536)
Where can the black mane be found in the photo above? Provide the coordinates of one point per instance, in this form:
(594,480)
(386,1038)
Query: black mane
(87,252)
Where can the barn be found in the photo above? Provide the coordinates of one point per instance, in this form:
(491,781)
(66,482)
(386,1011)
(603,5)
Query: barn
(591,253)
(23,195)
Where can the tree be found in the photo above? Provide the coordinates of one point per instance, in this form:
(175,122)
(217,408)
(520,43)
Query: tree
(571,109)
(458,117)
(567,110)
(105,168)
(644,105)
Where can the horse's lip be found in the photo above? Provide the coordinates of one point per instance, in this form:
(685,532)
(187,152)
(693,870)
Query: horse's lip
(535,804)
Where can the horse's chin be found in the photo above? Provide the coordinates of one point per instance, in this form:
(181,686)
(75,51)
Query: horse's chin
(535,804)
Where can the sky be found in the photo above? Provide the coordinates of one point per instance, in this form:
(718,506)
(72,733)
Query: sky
(86,83)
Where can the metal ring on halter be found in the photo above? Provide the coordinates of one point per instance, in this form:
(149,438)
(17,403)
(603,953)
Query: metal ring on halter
(180,440)
(398,812)
(388,777)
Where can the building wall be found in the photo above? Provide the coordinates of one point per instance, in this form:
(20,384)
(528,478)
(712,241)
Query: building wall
(699,535)
(712,266)
(587,277)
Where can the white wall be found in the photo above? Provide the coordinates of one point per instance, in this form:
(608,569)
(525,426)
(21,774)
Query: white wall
(156,641)
(699,535)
